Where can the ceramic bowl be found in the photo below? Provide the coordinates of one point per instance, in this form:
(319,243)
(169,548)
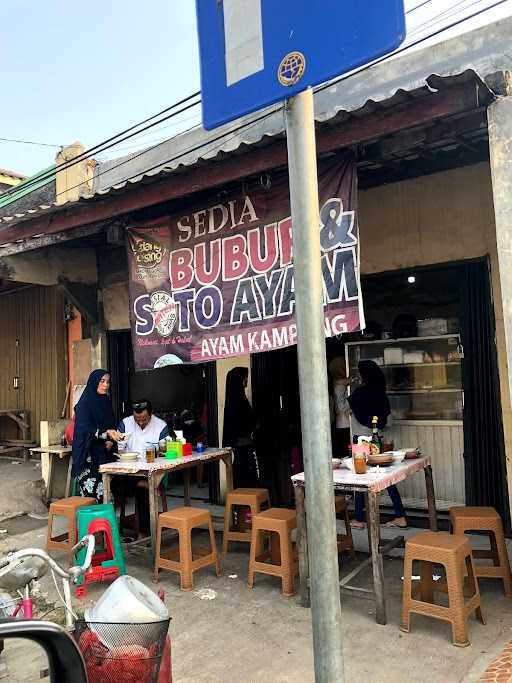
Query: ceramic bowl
(128,456)
(383,460)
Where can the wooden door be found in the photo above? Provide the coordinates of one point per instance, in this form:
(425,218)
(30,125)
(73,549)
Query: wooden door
(32,348)
(9,354)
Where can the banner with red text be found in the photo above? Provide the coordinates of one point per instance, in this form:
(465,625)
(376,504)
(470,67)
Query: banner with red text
(217,279)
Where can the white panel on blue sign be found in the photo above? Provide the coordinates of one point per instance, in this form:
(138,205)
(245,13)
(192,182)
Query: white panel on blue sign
(258,52)
(244,39)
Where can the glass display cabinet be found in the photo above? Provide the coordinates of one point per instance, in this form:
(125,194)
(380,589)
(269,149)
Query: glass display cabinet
(424,386)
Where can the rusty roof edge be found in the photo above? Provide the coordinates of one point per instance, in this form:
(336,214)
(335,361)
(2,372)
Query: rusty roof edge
(483,52)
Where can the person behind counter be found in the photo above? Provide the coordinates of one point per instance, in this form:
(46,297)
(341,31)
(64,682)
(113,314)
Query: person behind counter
(193,429)
(239,425)
(368,400)
(341,408)
(95,435)
(143,427)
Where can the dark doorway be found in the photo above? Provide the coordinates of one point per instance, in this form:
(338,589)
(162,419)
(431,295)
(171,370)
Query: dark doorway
(171,390)
(275,392)
(459,293)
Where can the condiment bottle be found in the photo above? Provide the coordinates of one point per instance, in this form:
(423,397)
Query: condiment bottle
(376,442)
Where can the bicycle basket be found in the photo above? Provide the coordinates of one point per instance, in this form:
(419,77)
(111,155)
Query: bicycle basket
(122,652)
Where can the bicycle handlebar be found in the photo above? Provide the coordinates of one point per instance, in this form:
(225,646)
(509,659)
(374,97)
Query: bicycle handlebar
(72,573)
(88,542)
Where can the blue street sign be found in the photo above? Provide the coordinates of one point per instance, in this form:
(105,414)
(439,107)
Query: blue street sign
(257,52)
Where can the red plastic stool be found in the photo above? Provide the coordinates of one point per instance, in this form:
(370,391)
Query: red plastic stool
(102,566)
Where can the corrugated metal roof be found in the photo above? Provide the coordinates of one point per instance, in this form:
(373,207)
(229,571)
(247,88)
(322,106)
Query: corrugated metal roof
(28,186)
(11,174)
(480,53)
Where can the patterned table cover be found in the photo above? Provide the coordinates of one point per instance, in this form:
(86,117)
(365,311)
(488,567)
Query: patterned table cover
(376,479)
(161,464)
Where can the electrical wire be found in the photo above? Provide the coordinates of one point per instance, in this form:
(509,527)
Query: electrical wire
(422,4)
(101,147)
(160,140)
(96,148)
(232,133)
(30,142)
(105,144)
(446,13)
(408,46)
(264,116)
(327,85)
(451,12)
(81,157)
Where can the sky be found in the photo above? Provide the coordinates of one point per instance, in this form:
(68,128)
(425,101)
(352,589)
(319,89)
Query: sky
(87,70)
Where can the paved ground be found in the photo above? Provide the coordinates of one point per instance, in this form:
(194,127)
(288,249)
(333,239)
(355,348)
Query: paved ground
(500,669)
(244,636)
(20,487)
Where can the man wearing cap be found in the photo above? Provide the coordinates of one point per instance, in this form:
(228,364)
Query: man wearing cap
(143,427)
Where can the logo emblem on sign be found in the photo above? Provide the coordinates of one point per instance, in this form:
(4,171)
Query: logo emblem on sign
(163,308)
(147,251)
(291,69)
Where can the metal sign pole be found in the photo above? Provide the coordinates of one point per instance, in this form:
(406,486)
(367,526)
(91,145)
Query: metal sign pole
(316,430)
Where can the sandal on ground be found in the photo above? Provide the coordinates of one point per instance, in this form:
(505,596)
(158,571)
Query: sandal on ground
(394,524)
(356,524)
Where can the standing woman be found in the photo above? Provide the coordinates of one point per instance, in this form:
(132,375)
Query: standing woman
(95,435)
(239,425)
(369,400)
(341,430)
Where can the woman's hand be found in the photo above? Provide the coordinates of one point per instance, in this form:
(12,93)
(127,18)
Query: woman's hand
(114,435)
(108,445)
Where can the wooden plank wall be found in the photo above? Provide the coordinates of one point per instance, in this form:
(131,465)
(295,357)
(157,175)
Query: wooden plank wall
(8,361)
(34,317)
(445,444)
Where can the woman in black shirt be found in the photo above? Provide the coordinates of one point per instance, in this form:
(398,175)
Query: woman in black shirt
(239,425)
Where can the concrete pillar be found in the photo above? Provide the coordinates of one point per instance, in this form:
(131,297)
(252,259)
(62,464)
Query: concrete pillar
(500,148)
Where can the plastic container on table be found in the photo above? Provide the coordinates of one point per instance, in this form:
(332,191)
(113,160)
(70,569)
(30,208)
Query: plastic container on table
(174,450)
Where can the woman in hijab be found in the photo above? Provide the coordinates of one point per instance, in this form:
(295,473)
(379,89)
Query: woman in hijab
(369,400)
(239,424)
(94,435)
